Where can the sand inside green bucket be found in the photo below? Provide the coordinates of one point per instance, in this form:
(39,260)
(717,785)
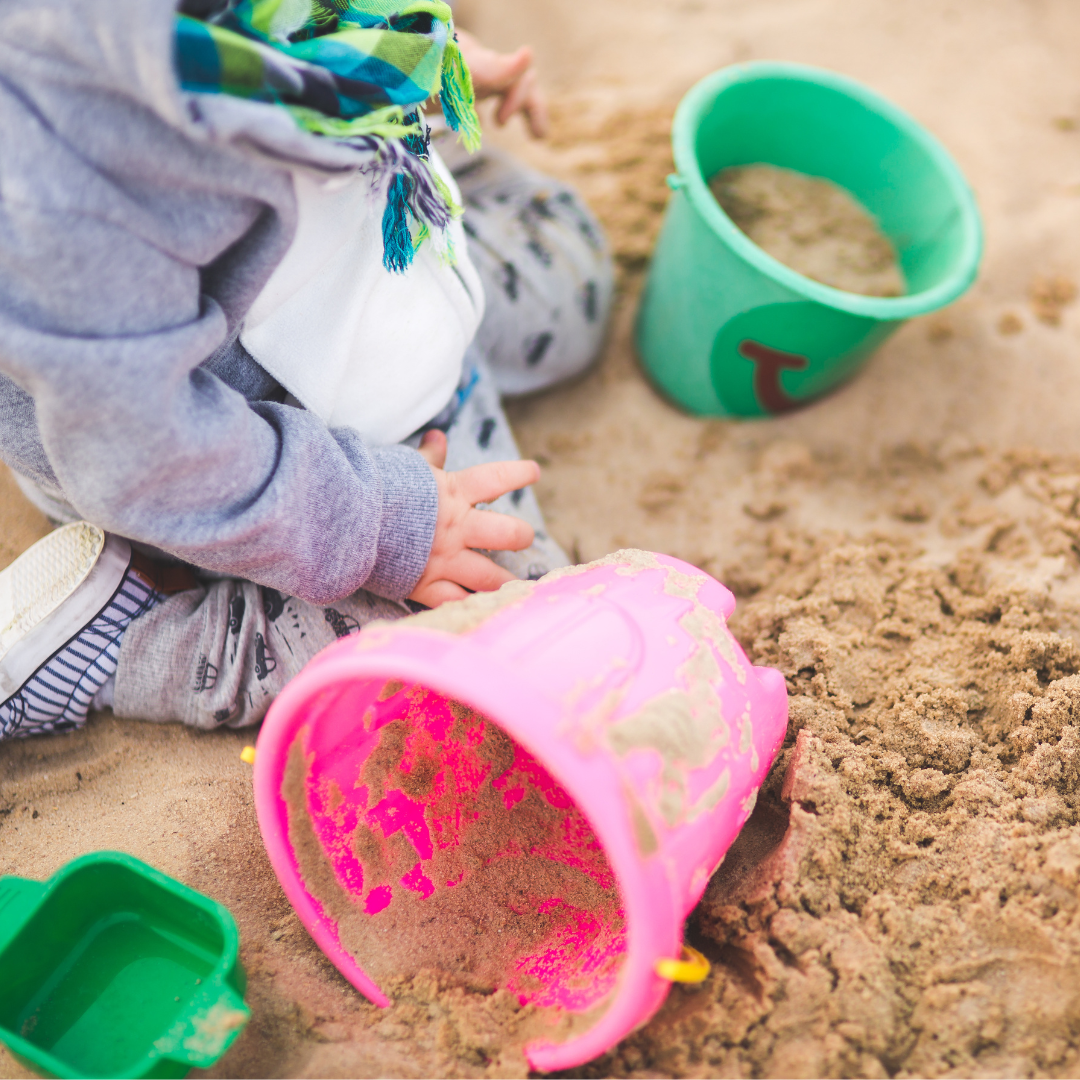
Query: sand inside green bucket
(812,226)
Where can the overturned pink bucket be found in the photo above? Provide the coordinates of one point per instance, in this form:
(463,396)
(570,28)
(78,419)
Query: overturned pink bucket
(634,718)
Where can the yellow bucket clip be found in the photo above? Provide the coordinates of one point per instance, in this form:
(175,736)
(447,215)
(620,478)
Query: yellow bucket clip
(692,968)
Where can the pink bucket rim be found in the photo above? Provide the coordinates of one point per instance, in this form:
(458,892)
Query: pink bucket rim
(455,667)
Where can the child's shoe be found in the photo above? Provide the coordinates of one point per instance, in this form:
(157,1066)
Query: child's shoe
(64,606)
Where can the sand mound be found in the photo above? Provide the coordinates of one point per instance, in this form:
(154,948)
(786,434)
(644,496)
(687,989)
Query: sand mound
(905,899)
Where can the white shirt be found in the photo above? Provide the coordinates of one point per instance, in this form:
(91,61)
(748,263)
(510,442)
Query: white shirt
(355,344)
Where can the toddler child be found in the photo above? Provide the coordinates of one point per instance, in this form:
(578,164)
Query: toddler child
(251,348)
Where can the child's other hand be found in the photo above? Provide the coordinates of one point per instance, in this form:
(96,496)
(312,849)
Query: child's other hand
(454,569)
(510,77)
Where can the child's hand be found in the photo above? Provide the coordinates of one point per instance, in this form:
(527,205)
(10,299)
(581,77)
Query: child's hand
(510,77)
(454,569)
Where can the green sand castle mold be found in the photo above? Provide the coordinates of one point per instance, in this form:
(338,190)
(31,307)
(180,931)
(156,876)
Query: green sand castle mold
(110,968)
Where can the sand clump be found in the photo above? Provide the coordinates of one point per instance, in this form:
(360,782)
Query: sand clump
(1050,295)
(812,226)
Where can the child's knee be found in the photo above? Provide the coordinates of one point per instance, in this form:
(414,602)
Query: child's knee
(548,276)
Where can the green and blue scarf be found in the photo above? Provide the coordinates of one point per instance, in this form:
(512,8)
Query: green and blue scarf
(356,71)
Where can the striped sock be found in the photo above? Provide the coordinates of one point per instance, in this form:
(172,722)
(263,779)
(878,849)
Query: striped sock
(58,695)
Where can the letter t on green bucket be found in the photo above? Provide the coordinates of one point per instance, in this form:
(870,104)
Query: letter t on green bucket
(725,329)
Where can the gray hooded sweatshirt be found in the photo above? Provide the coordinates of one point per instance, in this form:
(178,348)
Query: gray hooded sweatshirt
(137,226)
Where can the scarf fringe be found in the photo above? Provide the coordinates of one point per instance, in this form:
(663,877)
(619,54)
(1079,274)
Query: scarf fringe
(457,97)
(415,191)
(398,248)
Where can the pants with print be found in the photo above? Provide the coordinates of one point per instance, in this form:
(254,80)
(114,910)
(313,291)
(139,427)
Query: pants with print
(219,653)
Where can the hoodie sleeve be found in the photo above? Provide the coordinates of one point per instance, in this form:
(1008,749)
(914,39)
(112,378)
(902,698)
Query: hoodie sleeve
(128,253)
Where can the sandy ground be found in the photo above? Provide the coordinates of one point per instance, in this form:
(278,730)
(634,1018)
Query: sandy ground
(904,901)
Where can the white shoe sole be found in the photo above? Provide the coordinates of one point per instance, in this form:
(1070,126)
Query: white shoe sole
(50,592)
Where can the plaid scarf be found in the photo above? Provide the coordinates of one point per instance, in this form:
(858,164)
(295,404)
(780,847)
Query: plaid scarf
(356,71)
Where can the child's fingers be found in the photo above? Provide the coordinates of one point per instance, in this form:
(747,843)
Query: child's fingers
(506,70)
(516,97)
(476,572)
(467,572)
(537,112)
(485,483)
(433,448)
(435,593)
(492,531)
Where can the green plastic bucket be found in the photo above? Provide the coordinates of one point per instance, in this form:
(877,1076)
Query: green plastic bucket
(725,329)
(110,968)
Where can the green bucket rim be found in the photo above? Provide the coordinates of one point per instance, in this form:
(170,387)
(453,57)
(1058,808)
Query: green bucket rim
(689,177)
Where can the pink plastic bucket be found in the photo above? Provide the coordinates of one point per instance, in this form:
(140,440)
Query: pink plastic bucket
(635,723)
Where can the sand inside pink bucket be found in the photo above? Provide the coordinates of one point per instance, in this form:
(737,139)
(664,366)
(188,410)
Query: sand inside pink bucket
(456,853)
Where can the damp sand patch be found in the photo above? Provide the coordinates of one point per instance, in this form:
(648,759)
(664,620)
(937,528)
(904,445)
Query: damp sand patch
(476,868)
(812,226)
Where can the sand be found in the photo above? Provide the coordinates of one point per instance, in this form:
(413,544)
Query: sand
(812,226)
(903,900)
(514,864)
